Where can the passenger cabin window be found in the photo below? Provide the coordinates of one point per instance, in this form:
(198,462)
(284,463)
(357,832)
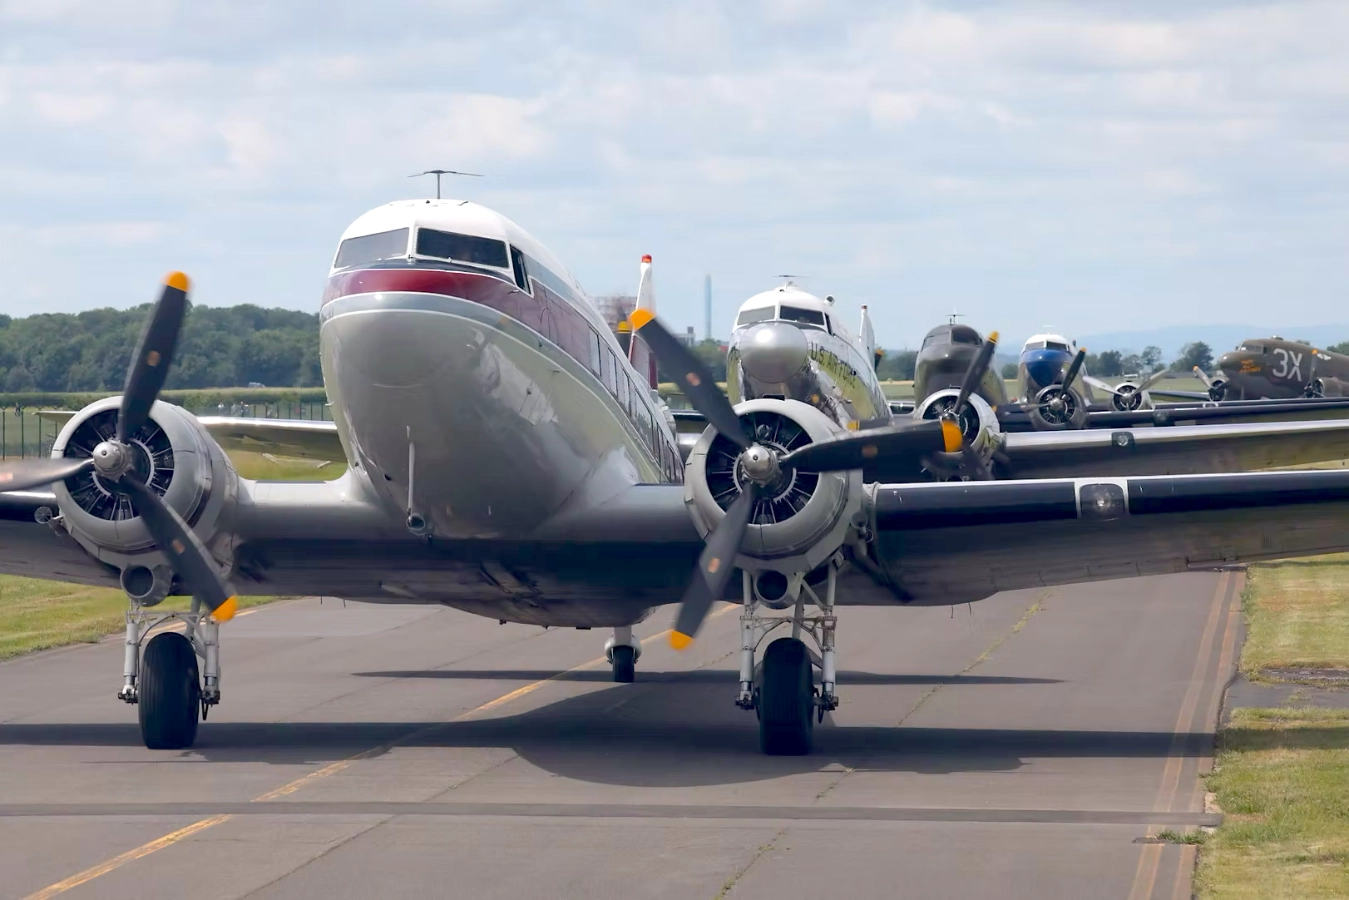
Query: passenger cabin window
(465,248)
(368,248)
(802,316)
(758,314)
(518,267)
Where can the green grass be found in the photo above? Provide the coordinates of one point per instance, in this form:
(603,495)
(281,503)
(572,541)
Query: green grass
(1282,780)
(1281,776)
(1297,614)
(37,614)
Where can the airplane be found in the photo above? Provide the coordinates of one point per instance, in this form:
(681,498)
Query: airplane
(1274,368)
(1048,362)
(504,457)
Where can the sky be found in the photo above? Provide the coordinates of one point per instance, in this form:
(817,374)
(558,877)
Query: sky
(1083,166)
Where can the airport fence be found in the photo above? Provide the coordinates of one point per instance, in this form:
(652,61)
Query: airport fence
(25,433)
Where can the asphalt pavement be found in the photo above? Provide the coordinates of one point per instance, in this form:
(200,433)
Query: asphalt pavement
(1025,746)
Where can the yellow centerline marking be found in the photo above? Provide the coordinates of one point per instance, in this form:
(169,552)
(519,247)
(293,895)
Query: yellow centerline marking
(1145,876)
(144,850)
(172,838)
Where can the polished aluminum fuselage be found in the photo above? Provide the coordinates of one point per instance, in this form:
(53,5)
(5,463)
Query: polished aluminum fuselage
(471,407)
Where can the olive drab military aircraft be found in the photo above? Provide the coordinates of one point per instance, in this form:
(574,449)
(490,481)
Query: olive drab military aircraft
(506,457)
(1274,368)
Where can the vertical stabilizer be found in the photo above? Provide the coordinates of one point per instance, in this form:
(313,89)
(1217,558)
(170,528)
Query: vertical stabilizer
(866,338)
(638,353)
(646,291)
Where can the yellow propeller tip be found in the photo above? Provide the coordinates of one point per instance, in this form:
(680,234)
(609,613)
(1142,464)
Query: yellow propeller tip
(640,317)
(178,280)
(993,336)
(225,611)
(950,433)
(680,641)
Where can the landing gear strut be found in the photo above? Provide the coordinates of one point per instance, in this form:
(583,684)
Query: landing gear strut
(785,697)
(623,652)
(165,682)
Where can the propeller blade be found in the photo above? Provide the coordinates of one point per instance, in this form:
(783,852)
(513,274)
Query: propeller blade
(855,451)
(154,353)
(1075,367)
(715,566)
(1203,376)
(1151,379)
(22,474)
(692,377)
(183,548)
(1099,384)
(975,373)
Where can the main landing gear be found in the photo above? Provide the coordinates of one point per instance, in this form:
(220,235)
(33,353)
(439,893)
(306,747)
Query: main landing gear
(785,696)
(623,652)
(171,693)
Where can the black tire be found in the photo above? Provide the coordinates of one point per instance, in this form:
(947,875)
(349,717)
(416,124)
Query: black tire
(787,699)
(169,699)
(625,664)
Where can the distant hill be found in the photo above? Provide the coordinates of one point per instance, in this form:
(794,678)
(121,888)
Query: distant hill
(1220,336)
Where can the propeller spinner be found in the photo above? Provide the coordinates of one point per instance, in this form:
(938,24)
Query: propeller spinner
(113,462)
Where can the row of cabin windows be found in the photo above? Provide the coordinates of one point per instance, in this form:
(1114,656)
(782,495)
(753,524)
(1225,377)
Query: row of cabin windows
(635,399)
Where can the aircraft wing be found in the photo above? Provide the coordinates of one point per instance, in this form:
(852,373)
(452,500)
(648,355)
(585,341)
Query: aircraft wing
(299,438)
(1177,450)
(954,542)
(1180,395)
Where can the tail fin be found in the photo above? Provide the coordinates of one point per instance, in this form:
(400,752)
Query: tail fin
(638,353)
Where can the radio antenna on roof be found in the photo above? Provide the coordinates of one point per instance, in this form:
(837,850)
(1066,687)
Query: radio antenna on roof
(440,172)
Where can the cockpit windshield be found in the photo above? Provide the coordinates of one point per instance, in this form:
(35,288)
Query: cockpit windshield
(368,248)
(758,314)
(1252,348)
(465,248)
(802,316)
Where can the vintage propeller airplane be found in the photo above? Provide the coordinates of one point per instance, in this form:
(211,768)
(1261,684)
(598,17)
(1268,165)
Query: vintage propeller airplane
(1275,368)
(506,457)
(1055,392)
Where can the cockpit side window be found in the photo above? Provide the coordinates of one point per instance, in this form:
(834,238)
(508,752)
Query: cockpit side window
(758,314)
(1253,348)
(802,316)
(368,248)
(520,270)
(465,248)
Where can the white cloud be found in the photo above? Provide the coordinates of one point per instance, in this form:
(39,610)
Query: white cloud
(1004,157)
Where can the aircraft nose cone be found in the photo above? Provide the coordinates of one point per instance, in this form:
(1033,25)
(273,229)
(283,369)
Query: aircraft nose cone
(773,351)
(1231,360)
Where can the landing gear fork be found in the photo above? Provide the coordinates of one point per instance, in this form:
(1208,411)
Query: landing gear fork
(821,626)
(199,628)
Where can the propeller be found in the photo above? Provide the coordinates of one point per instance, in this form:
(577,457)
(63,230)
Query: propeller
(1074,367)
(950,419)
(762,467)
(113,460)
(1217,387)
(1128,396)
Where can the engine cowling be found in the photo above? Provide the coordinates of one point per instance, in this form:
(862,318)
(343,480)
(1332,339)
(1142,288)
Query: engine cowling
(978,424)
(1127,397)
(804,519)
(178,459)
(1058,408)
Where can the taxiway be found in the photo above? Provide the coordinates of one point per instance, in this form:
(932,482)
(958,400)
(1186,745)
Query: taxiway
(1019,747)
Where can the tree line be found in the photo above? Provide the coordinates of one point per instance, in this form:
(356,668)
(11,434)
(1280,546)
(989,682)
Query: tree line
(232,346)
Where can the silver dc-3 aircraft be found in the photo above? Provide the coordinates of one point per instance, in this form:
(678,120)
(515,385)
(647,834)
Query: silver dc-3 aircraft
(505,457)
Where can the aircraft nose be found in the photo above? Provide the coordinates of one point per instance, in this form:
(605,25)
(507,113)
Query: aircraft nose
(773,351)
(1231,360)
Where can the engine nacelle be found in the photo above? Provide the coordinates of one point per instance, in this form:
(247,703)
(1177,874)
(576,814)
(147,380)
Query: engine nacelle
(804,519)
(178,459)
(1127,397)
(1058,408)
(978,424)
